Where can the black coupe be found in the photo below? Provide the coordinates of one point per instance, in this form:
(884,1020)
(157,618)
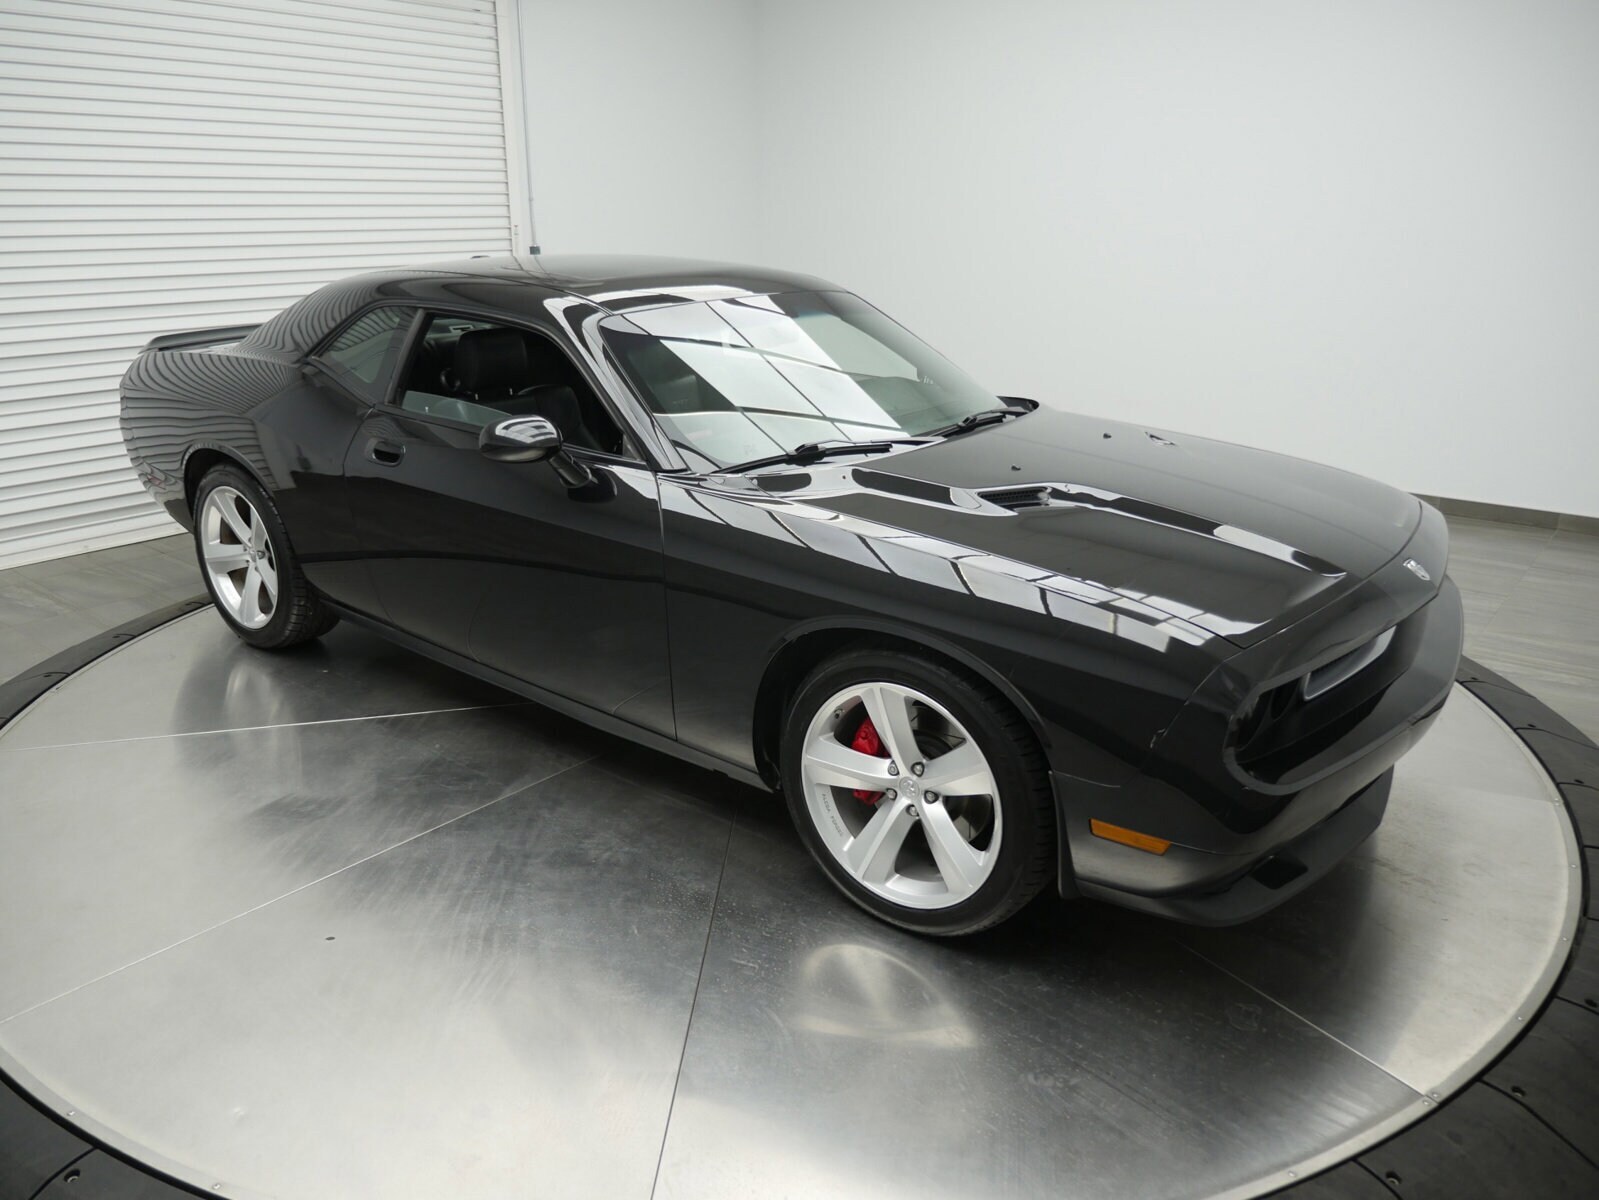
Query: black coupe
(979,644)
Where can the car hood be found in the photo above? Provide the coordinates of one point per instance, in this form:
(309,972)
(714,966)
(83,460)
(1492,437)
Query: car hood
(1238,542)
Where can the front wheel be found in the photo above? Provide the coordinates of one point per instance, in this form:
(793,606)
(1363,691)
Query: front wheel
(919,790)
(248,566)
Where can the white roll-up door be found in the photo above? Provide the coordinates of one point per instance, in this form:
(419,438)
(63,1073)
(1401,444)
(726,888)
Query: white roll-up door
(175,164)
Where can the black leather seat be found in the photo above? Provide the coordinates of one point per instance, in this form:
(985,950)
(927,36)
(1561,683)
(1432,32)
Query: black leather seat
(495,367)
(491,365)
(557,403)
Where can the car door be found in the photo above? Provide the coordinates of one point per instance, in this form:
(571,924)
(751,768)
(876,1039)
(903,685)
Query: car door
(305,432)
(503,562)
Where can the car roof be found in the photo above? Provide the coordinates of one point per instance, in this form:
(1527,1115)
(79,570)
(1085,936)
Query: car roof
(619,282)
(613,282)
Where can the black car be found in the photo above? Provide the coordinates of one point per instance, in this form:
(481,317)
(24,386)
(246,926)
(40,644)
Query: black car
(980,644)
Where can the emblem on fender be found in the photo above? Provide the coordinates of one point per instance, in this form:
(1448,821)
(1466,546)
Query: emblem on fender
(1419,570)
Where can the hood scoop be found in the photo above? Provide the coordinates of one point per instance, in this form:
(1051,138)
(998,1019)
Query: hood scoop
(1038,495)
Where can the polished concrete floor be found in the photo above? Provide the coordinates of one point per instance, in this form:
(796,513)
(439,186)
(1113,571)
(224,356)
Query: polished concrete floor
(46,607)
(341,923)
(282,907)
(1532,604)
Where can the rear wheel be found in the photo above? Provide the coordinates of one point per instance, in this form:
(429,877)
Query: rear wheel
(919,790)
(248,566)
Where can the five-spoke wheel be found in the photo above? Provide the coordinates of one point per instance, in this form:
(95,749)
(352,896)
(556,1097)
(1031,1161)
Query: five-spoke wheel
(913,819)
(919,790)
(238,556)
(248,565)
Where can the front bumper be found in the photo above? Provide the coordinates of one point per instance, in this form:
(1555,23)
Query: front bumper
(1279,877)
(1226,825)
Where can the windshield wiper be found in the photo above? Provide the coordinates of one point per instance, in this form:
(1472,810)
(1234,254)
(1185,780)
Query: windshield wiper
(989,416)
(809,452)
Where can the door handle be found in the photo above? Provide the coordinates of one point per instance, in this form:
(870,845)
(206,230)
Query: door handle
(385,453)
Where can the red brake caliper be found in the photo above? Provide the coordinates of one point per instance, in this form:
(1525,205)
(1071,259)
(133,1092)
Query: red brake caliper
(867,742)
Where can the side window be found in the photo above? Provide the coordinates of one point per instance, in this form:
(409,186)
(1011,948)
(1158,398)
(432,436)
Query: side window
(474,371)
(363,355)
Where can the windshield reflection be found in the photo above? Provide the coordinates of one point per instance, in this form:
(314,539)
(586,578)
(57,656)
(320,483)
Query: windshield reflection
(745,377)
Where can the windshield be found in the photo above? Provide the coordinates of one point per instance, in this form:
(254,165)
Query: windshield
(736,380)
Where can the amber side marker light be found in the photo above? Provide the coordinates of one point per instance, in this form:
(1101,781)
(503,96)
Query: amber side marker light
(1129,837)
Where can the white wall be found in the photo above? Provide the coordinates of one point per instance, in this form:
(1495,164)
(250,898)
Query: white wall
(642,133)
(1366,233)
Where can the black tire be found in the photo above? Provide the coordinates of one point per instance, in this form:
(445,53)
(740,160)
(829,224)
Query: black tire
(299,614)
(1026,860)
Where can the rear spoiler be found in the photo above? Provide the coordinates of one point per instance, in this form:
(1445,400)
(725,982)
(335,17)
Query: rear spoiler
(201,337)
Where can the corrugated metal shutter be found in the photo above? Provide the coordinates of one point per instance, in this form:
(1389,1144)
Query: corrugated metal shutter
(175,164)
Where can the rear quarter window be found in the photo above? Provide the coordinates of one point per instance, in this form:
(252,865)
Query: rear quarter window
(363,356)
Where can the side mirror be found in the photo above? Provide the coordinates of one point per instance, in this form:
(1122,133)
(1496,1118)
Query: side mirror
(532,439)
(519,439)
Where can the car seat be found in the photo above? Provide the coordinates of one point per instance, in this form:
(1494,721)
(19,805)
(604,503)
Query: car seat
(496,370)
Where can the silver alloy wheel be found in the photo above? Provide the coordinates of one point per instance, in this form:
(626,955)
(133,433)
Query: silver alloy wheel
(239,558)
(931,836)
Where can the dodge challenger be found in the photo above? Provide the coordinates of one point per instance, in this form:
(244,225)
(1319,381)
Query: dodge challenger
(979,644)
